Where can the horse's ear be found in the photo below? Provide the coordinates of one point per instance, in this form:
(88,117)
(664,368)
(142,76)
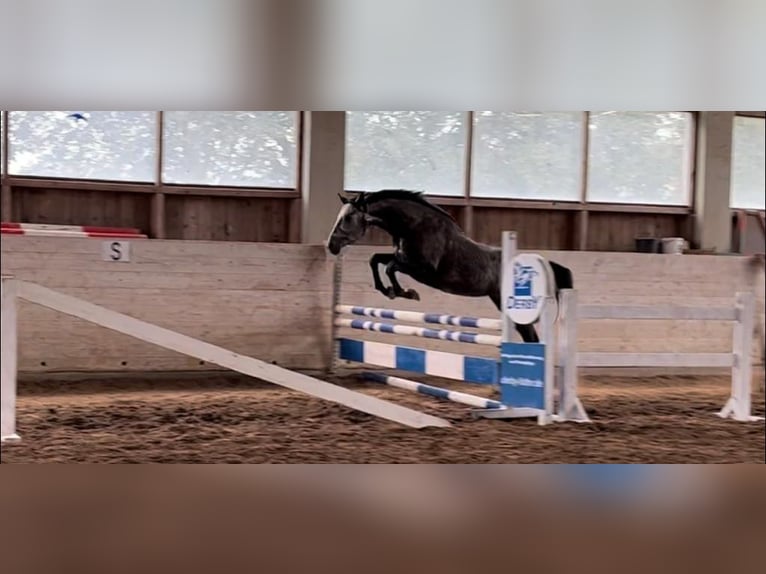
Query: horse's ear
(343,199)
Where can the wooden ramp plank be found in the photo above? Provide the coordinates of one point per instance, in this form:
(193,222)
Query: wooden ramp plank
(211,353)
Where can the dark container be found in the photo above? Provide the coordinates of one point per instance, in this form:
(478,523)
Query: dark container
(648,245)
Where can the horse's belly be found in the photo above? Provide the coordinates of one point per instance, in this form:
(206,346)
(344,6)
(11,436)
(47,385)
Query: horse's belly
(452,283)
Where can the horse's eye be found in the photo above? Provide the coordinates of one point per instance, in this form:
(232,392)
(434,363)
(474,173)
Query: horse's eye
(345,223)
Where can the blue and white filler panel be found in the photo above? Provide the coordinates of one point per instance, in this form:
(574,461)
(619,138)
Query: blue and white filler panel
(522,375)
(436,363)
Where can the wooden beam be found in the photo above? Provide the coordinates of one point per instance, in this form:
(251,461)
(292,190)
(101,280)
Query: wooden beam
(79,184)
(158,199)
(636,208)
(158,216)
(581,229)
(4,142)
(467,173)
(324,148)
(655,359)
(223,357)
(295,213)
(211,191)
(6,194)
(665,312)
(713,181)
(149,187)
(6,201)
(285,193)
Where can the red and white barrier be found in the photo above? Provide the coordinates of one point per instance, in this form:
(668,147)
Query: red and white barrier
(49,230)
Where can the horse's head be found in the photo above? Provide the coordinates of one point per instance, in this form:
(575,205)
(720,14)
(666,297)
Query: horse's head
(350,225)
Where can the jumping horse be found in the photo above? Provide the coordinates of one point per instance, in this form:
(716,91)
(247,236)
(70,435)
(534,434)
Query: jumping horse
(429,246)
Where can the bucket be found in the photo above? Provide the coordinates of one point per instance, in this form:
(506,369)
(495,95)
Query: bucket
(647,245)
(673,245)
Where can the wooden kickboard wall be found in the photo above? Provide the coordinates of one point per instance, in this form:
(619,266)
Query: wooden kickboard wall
(600,277)
(273,301)
(269,301)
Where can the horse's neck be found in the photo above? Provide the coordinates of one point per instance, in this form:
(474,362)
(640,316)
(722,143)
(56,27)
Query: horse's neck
(402,219)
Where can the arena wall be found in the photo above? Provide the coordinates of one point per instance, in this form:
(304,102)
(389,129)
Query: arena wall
(265,300)
(600,277)
(273,301)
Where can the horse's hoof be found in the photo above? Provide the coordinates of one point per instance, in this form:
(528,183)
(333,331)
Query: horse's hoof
(390,293)
(411,294)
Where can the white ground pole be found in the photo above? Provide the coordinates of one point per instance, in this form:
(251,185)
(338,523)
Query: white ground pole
(8,361)
(192,347)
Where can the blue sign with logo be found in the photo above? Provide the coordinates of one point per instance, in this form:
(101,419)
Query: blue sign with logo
(522,374)
(526,284)
(522,280)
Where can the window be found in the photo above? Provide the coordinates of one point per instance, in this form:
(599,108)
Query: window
(2,142)
(422,151)
(748,169)
(527,155)
(639,157)
(83,145)
(255,149)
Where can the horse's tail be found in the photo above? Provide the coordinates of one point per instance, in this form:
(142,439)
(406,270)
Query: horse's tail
(564,280)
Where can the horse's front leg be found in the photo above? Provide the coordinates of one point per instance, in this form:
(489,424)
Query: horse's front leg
(375,261)
(391,270)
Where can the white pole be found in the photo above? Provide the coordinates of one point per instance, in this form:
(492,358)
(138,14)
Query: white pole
(506,280)
(8,361)
(568,318)
(741,372)
(570,406)
(548,339)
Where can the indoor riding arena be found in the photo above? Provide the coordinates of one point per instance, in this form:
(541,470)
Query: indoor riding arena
(198,292)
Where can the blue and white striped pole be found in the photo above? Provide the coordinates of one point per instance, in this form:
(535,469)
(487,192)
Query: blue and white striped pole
(416,317)
(454,396)
(443,334)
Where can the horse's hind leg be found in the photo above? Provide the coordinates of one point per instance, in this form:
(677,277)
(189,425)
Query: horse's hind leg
(527,332)
(391,270)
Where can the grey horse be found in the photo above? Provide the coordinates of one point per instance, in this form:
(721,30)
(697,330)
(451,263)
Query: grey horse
(429,246)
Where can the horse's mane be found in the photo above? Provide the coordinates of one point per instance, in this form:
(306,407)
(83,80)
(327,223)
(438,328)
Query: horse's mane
(367,198)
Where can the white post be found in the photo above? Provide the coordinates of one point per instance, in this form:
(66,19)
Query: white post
(506,281)
(738,406)
(761,282)
(547,337)
(8,360)
(337,282)
(570,407)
